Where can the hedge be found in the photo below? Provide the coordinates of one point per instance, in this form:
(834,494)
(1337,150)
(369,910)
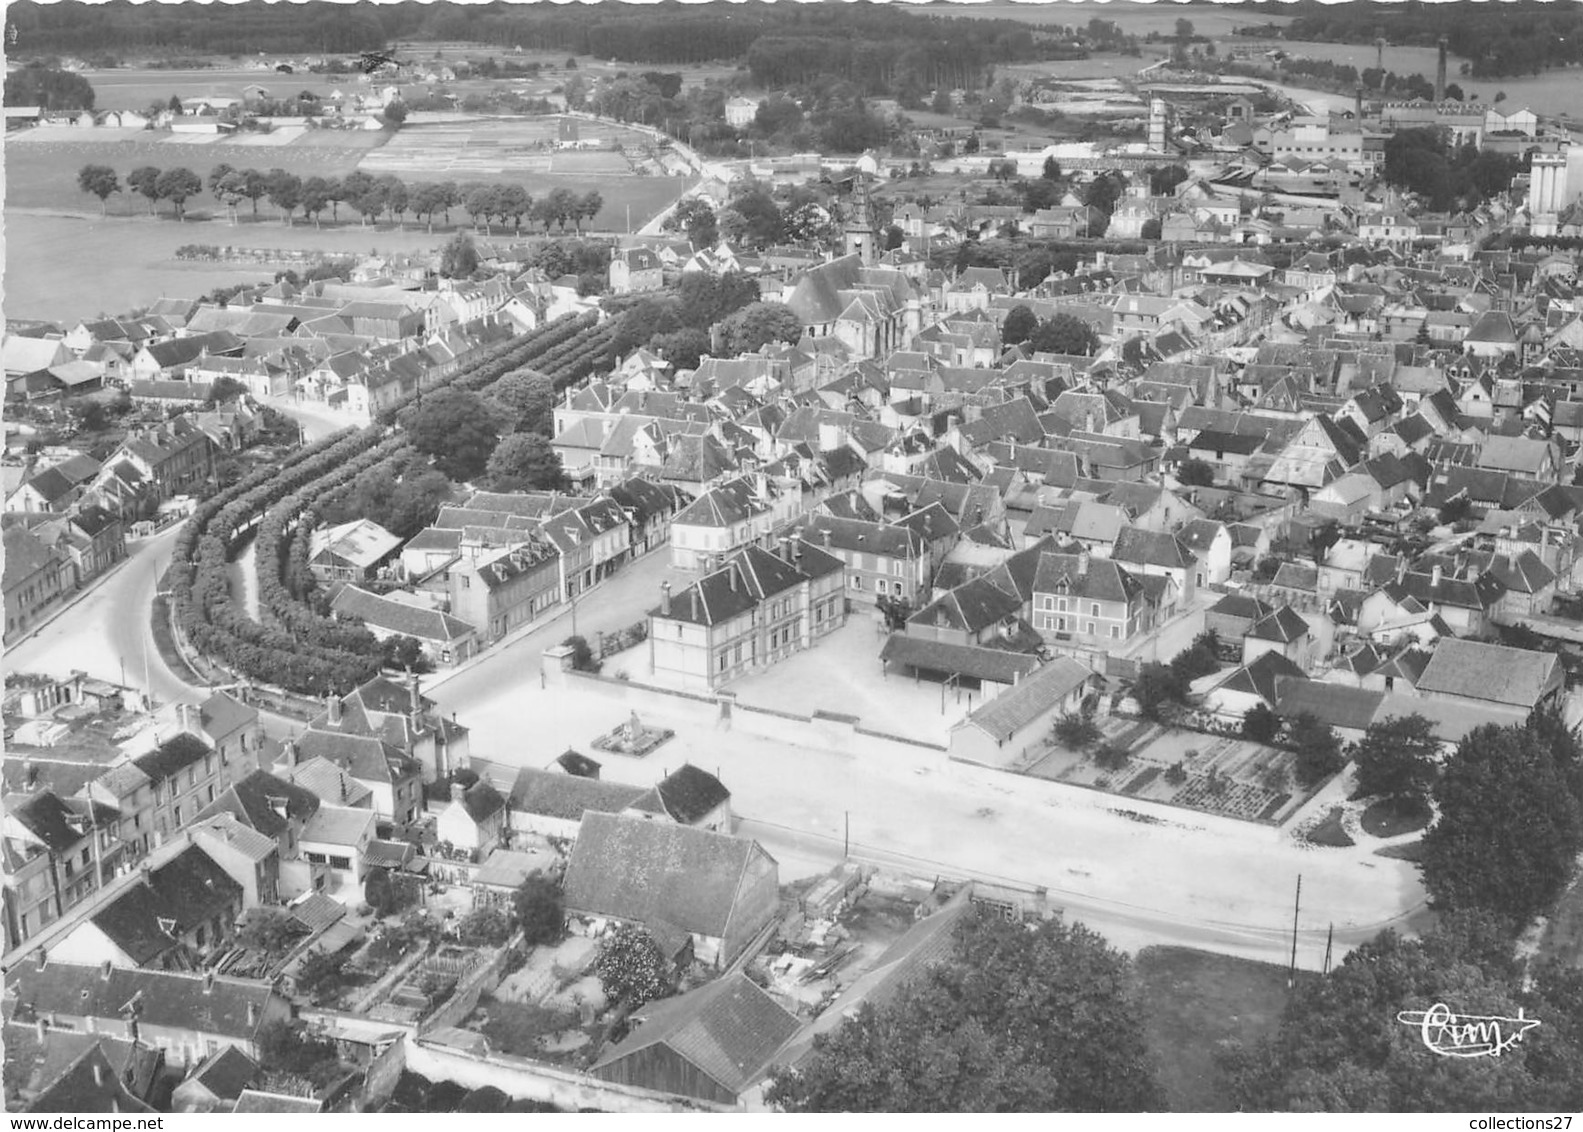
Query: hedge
(303,651)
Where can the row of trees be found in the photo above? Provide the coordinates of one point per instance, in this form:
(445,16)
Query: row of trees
(369,196)
(301,653)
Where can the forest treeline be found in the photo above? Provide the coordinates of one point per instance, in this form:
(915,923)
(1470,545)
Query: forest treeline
(883,50)
(1499,40)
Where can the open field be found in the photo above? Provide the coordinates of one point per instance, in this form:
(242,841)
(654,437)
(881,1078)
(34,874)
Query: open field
(1213,20)
(134,88)
(134,260)
(41,165)
(1192,1001)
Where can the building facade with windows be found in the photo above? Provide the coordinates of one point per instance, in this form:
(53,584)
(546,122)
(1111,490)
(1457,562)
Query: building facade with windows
(754,611)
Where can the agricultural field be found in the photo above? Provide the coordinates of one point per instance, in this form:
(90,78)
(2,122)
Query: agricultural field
(41,164)
(134,260)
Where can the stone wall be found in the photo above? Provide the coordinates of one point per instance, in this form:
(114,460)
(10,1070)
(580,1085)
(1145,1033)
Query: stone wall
(521,1078)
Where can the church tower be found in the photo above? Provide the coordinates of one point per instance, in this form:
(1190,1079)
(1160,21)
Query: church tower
(860,234)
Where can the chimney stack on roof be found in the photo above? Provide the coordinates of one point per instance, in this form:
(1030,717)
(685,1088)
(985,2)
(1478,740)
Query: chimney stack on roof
(457,790)
(1435,576)
(665,599)
(333,703)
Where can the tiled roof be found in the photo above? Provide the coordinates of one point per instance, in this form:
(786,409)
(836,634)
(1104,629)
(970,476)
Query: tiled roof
(1031,698)
(1495,673)
(729,1030)
(254,799)
(185,892)
(398,616)
(640,870)
(995,665)
(684,795)
(566,796)
(338,825)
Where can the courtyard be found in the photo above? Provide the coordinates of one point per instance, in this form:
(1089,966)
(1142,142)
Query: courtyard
(841,675)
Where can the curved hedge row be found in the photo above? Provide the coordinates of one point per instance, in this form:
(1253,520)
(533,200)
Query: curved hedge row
(289,604)
(303,651)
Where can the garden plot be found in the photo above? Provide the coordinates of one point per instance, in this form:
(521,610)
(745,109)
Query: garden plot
(287,135)
(1221,775)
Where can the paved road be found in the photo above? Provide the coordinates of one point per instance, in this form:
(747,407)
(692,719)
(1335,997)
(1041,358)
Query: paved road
(619,601)
(106,634)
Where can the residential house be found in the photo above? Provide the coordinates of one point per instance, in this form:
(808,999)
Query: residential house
(475,820)
(552,804)
(55,857)
(689,795)
(338,839)
(1158,554)
(176,917)
(1283,631)
(503,589)
(1087,601)
(725,519)
(882,561)
(38,577)
(187,1016)
(635,269)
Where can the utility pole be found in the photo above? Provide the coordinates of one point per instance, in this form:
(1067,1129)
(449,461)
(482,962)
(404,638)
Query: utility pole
(1330,941)
(1291,974)
(846,837)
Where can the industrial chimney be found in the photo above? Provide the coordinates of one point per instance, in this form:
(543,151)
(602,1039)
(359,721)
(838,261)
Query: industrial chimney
(1357,97)
(1440,73)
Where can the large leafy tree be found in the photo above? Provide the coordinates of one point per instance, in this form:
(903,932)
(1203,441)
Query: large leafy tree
(459,257)
(101,181)
(1318,748)
(38,85)
(525,460)
(759,324)
(285,192)
(539,911)
(1398,760)
(1510,824)
(315,197)
(696,218)
(1340,1047)
(1016,1020)
(526,398)
(178,186)
(631,967)
(456,428)
(1019,326)
(1064,334)
(144,180)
